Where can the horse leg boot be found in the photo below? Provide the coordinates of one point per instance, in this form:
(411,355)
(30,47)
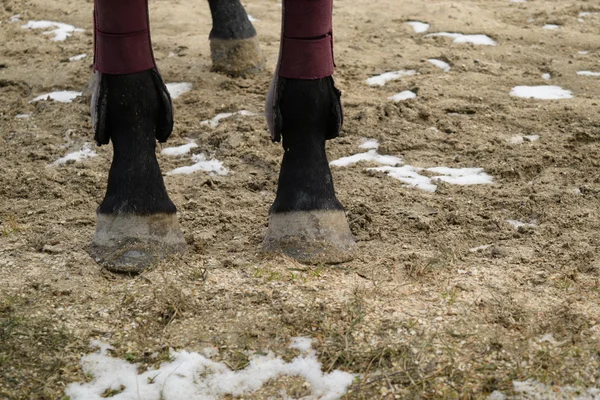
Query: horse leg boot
(233,43)
(136,221)
(303,107)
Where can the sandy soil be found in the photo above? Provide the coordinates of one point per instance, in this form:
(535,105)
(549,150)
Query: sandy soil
(418,312)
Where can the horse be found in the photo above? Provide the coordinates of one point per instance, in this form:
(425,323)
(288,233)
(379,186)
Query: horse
(130,106)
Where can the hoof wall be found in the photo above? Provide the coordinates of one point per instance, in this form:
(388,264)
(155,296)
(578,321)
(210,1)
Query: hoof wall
(132,243)
(236,57)
(311,237)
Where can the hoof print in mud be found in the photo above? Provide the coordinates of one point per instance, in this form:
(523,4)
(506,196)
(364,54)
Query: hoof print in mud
(311,237)
(132,243)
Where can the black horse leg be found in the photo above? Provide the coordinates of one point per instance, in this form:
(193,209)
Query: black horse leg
(306,220)
(137,222)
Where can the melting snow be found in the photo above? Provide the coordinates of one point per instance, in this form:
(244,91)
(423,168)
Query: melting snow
(192,376)
(369,144)
(177,89)
(411,175)
(517,224)
(61,31)
(588,73)
(78,57)
(405,95)
(541,92)
(370,156)
(480,248)
(418,27)
(443,65)
(456,176)
(179,150)
(518,139)
(64,96)
(382,79)
(85,152)
(212,166)
(481,40)
(214,122)
(536,390)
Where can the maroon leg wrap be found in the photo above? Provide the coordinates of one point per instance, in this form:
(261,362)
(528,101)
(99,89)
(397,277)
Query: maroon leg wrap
(306,53)
(122,37)
(306,41)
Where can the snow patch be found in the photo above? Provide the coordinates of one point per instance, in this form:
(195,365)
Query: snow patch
(518,224)
(85,152)
(443,65)
(541,92)
(546,77)
(551,27)
(64,96)
(479,40)
(455,176)
(536,390)
(61,30)
(179,150)
(412,175)
(22,116)
(588,73)
(518,139)
(369,156)
(382,79)
(78,57)
(402,96)
(212,166)
(369,144)
(179,88)
(418,27)
(252,19)
(214,122)
(192,376)
(480,248)
(15,18)
(583,52)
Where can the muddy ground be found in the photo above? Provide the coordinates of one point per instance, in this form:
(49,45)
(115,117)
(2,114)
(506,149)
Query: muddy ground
(418,312)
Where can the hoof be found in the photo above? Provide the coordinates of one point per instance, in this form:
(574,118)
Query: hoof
(236,57)
(132,243)
(311,237)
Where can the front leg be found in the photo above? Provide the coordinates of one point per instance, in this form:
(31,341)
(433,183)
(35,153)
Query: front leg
(137,222)
(303,107)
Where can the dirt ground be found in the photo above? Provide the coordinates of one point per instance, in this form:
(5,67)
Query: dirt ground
(419,313)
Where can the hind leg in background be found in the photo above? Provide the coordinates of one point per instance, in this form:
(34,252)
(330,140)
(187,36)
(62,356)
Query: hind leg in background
(233,42)
(136,222)
(303,107)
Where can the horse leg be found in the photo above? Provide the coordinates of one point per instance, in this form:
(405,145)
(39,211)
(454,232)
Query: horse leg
(136,221)
(303,107)
(233,43)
